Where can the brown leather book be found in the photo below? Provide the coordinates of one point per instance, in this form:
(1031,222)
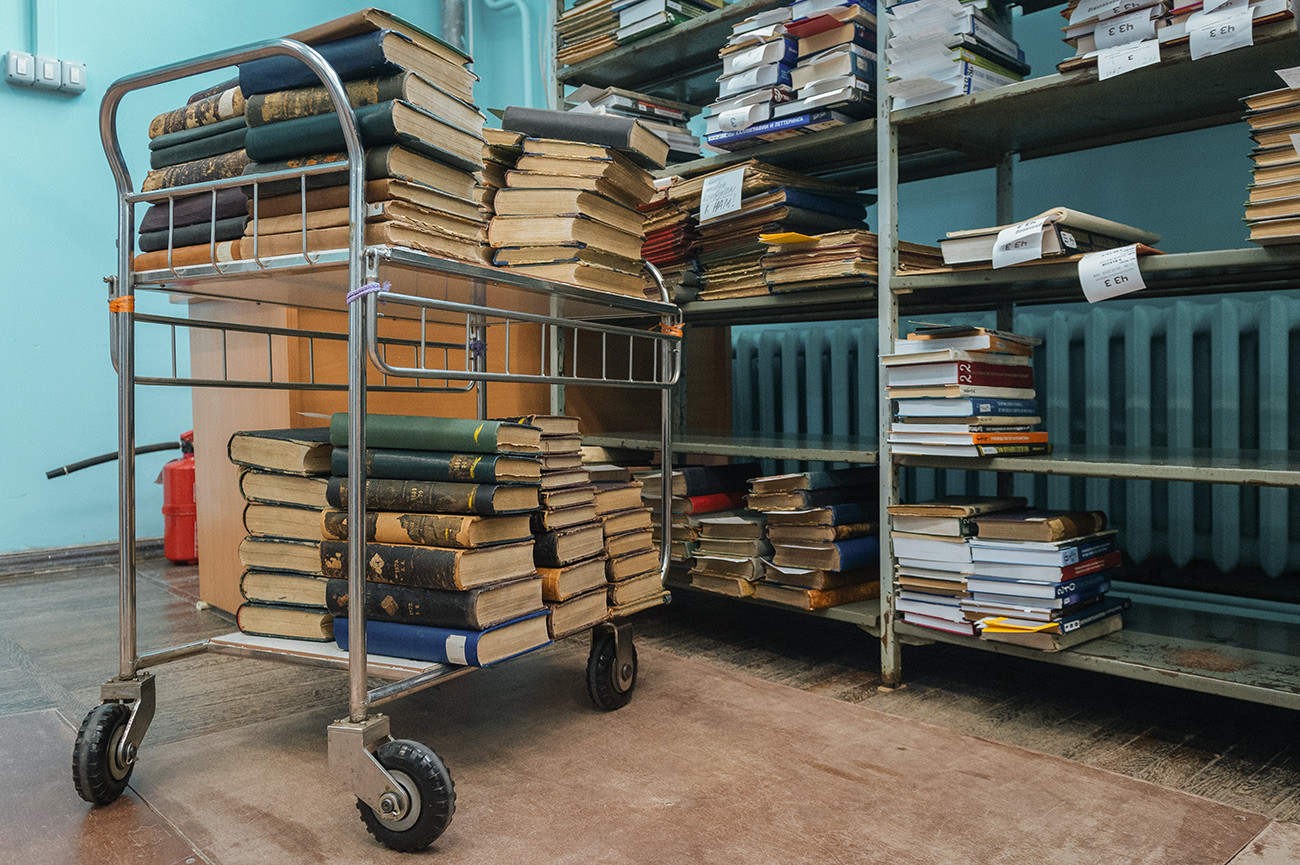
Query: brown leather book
(1039,525)
(219,106)
(199,171)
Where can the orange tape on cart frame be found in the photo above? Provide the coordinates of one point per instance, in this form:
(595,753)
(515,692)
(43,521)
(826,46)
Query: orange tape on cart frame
(125,303)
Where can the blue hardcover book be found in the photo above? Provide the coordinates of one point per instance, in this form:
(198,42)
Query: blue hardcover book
(451,645)
(1104,610)
(844,514)
(1092,590)
(823,119)
(857,552)
(993,586)
(966,407)
(360,56)
(847,208)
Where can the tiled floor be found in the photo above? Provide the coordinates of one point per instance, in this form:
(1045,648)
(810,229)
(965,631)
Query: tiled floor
(59,642)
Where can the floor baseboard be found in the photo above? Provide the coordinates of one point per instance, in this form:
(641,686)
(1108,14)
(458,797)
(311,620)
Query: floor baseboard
(82,555)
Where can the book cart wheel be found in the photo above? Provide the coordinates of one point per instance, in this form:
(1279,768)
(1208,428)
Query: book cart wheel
(100,768)
(611,679)
(431,794)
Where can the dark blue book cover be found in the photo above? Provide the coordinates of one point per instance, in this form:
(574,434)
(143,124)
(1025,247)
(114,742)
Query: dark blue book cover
(1107,608)
(436,645)
(858,552)
(849,513)
(360,56)
(1023,588)
(819,203)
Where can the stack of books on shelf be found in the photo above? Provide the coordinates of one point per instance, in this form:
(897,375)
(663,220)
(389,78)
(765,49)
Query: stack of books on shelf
(283,476)
(202,140)
(670,233)
(799,262)
(413,99)
(835,76)
(1145,20)
(963,391)
(632,566)
(729,554)
(943,48)
(756,64)
(933,559)
(1040,578)
(1062,233)
(773,200)
(1273,204)
(638,19)
(450,576)
(501,150)
(825,541)
(585,31)
(697,492)
(664,117)
(569,211)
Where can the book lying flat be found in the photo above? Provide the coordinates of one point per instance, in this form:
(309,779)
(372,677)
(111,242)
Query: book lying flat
(435,530)
(474,609)
(432,567)
(425,465)
(279,620)
(440,434)
(1039,525)
(436,497)
(279,587)
(1065,232)
(816,599)
(562,583)
(282,521)
(577,613)
(1049,642)
(451,645)
(275,488)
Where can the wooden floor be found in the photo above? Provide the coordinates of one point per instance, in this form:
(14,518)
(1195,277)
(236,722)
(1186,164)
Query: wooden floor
(1233,752)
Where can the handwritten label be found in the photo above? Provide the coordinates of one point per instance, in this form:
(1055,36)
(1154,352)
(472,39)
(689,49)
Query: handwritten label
(1125,30)
(1209,6)
(1290,77)
(1089,9)
(1110,273)
(1126,58)
(721,194)
(1017,243)
(735,119)
(1217,32)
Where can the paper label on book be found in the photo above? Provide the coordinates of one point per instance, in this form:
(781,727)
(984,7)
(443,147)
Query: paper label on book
(1110,273)
(745,59)
(456,649)
(1125,30)
(1209,6)
(1089,9)
(1290,77)
(1017,243)
(1227,29)
(721,194)
(1126,58)
(735,120)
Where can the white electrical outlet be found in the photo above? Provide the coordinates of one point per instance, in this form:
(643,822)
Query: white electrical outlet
(20,67)
(74,77)
(49,73)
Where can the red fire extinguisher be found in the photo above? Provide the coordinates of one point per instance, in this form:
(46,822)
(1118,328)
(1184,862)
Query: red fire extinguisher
(180,536)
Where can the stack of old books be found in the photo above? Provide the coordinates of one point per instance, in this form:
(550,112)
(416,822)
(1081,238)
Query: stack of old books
(569,210)
(799,262)
(501,150)
(939,48)
(1040,578)
(1273,204)
(933,559)
(638,19)
(413,99)
(756,63)
(200,141)
(964,391)
(1089,30)
(283,476)
(450,576)
(835,76)
(632,566)
(698,492)
(1059,232)
(585,31)
(825,543)
(665,117)
(773,200)
(729,554)
(670,246)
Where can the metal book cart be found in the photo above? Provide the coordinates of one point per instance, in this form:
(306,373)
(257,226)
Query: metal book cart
(426,324)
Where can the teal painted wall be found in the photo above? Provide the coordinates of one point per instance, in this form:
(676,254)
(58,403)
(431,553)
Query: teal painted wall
(58,235)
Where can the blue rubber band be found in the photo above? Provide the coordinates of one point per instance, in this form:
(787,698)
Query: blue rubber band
(368,288)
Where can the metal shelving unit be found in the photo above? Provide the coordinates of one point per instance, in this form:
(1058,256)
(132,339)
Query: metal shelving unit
(461,312)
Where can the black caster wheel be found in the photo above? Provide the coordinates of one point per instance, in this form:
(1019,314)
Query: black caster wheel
(97,768)
(428,786)
(610,684)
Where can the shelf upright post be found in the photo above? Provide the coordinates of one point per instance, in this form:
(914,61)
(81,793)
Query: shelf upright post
(1004,214)
(891,659)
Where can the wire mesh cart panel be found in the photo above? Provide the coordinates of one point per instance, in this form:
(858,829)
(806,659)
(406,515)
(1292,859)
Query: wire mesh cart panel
(425,324)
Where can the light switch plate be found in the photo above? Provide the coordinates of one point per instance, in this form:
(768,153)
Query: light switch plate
(74,77)
(20,67)
(49,73)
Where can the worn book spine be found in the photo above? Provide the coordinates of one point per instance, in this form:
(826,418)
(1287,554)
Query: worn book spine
(199,232)
(193,209)
(199,148)
(401,564)
(415,606)
(420,465)
(428,642)
(352,57)
(198,171)
(452,435)
(219,106)
(265,108)
(707,480)
(435,530)
(609,130)
(429,497)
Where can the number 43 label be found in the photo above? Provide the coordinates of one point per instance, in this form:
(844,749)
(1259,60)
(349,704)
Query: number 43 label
(1110,273)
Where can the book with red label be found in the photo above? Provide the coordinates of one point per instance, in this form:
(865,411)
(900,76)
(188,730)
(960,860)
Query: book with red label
(961,372)
(972,438)
(1049,573)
